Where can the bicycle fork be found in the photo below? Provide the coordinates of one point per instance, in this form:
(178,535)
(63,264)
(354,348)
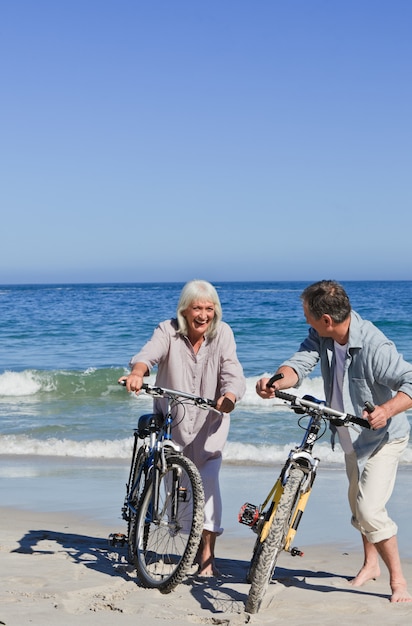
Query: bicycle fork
(297,516)
(167,507)
(261,521)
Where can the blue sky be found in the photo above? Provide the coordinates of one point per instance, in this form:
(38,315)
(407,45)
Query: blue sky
(165,140)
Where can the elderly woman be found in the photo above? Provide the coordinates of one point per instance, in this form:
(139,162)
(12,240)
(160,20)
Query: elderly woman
(196,353)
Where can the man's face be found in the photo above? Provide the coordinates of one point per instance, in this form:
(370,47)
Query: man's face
(319,325)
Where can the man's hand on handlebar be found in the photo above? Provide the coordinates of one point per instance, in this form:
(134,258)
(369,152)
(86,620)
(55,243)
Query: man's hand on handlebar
(263,390)
(284,378)
(377,416)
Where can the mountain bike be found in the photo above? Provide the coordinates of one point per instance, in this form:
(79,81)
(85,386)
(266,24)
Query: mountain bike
(276,520)
(164,503)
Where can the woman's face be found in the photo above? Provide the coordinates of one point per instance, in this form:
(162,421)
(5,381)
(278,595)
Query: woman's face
(199,316)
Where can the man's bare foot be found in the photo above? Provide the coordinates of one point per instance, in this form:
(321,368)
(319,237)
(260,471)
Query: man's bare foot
(367,572)
(400,593)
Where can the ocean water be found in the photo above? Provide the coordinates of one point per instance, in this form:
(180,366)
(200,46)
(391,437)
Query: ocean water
(63,347)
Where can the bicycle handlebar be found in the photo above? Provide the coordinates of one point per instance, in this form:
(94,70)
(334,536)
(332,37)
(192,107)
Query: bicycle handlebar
(319,407)
(162,392)
(204,403)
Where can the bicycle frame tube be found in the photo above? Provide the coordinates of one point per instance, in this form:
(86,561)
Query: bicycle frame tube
(311,433)
(168,423)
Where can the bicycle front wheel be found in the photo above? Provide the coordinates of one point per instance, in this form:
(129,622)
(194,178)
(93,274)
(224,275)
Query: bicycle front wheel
(165,539)
(266,553)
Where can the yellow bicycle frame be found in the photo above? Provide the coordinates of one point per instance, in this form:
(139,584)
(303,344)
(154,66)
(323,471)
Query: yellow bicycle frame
(303,500)
(275,494)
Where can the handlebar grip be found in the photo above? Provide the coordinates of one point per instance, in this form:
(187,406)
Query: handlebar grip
(360,421)
(285,396)
(274,378)
(369,407)
(123,384)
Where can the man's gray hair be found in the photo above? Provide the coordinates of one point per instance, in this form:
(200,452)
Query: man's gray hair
(327,297)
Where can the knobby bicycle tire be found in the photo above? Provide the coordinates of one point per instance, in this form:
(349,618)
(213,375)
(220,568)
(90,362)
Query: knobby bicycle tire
(256,551)
(164,548)
(266,554)
(134,494)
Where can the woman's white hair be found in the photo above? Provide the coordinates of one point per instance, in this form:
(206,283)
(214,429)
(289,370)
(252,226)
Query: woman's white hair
(202,291)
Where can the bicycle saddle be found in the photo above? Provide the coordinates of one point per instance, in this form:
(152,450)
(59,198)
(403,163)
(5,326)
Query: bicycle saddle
(149,423)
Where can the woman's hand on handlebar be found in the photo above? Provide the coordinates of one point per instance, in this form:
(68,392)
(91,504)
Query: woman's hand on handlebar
(133,382)
(226,403)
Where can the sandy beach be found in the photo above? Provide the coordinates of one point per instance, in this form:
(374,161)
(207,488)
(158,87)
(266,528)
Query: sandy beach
(57,565)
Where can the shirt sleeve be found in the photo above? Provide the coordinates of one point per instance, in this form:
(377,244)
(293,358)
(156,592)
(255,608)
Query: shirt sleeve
(232,378)
(391,369)
(306,358)
(156,349)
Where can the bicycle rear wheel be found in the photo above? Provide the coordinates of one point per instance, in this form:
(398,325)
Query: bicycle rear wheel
(165,541)
(134,494)
(266,553)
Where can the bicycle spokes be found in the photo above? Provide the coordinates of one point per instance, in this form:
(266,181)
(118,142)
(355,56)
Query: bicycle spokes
(169,525)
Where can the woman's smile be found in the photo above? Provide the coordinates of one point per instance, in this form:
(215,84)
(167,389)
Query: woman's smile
(198,317)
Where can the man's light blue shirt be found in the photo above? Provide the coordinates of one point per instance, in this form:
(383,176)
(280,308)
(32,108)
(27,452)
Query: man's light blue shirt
(373,371)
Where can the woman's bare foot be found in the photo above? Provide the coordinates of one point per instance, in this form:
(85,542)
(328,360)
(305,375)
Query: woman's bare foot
(210,571)
(206,555)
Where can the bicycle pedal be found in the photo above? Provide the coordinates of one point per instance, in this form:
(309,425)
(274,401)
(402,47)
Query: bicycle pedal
(182,495)
(296,552)
(248,514)
(116,539)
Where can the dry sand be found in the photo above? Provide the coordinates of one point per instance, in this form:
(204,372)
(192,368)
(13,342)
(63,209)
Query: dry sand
(57,568)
